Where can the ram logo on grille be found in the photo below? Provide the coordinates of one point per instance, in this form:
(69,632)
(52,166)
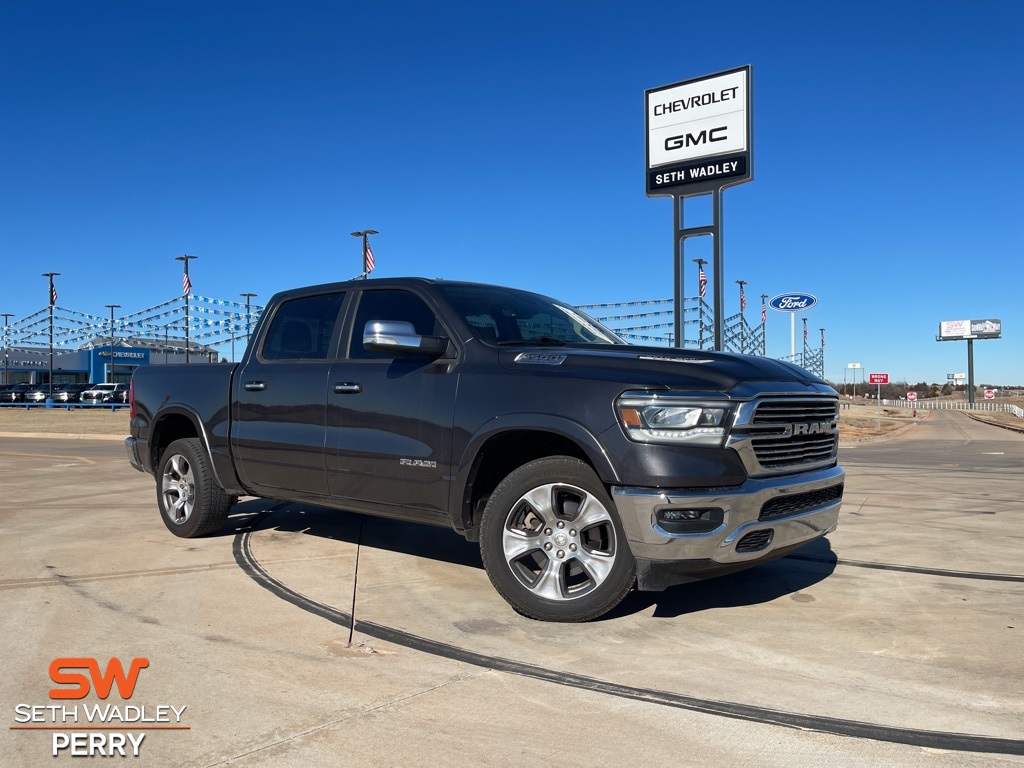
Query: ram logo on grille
(819,428)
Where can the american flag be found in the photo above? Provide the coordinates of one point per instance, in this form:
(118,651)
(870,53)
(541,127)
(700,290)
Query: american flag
(764,312)
(368,263)
(53,294)
(703,280)
(805,334)
(743,300)
(186,284)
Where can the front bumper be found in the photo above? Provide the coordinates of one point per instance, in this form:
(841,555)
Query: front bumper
(665,558)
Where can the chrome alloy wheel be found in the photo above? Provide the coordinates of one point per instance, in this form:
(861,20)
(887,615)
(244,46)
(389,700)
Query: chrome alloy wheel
(559,541)
(178,488)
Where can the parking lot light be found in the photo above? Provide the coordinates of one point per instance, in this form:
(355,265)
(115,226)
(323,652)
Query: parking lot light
(112,307)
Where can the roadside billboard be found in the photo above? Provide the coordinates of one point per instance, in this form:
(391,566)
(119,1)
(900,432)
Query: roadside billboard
(950,330)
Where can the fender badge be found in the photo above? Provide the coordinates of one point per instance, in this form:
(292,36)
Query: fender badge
(540,358)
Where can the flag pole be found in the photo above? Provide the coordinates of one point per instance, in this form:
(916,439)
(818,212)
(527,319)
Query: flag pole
(368,262)
(53,300)
(702,283)
(186,287)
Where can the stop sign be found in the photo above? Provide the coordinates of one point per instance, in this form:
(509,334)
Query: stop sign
(911,396)
(989,394)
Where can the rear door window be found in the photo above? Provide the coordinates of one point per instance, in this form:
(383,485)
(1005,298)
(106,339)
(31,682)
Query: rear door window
(302,329)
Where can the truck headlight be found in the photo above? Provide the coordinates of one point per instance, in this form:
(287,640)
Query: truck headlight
(653,419)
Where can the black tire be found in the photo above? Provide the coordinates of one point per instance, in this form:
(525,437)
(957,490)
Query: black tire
(191,503)
(552,542)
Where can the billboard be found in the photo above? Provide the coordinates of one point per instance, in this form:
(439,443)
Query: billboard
(698,134)
(952,330)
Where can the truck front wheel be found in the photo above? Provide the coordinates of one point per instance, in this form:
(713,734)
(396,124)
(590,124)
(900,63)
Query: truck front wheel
(552,543)
(191,503)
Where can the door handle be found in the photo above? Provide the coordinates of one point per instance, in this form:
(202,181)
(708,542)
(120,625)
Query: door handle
(348,388)
(255,386)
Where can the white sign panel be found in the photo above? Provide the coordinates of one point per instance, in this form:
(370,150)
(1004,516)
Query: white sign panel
(697,119)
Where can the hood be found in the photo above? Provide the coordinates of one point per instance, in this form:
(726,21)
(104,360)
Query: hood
(659,367)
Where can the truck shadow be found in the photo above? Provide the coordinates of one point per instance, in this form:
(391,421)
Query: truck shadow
(786,576)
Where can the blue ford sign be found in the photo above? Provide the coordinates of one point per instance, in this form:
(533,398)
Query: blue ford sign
(792,302)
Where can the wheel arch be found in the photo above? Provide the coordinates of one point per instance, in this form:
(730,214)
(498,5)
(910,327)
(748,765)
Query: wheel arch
(179,421)
(507,443)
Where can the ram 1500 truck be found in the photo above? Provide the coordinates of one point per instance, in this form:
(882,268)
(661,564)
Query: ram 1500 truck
(581,464)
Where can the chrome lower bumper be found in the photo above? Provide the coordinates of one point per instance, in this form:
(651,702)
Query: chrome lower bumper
(741,505)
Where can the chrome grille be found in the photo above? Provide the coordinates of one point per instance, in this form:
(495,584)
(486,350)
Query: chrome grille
(791,411)
(775,433)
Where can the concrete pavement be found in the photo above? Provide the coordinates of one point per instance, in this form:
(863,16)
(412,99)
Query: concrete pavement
(897,641)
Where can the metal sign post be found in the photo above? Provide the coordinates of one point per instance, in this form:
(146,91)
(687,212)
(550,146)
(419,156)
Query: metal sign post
(879,379)
(699,142)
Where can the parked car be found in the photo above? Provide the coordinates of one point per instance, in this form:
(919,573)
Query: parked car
(104,393)
(62,393)
(37,394)
(15,393)
(69,393)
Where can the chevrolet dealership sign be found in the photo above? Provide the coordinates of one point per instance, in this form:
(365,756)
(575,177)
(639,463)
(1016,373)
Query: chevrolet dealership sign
(698,134)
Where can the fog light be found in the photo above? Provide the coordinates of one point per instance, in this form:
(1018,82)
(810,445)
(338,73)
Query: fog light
(671,515)
(684,521)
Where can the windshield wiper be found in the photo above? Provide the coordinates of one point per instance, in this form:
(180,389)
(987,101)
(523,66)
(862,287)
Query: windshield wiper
(543,341)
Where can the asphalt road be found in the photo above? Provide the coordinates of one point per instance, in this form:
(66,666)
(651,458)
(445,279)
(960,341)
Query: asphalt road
(896,642)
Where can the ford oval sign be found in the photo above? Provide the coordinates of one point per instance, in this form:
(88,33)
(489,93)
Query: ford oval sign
(792,302)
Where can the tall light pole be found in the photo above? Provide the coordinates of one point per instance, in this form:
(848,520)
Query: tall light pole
(7,316)
(186,287)
(702,283)
(368,261)
(112,307)
(248,316)
(53,301)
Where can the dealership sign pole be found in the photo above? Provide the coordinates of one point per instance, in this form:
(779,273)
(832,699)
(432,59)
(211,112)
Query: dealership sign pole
(699,143)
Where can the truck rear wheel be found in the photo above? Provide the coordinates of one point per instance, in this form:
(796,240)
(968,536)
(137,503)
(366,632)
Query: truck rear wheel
(191,503)
(552,543)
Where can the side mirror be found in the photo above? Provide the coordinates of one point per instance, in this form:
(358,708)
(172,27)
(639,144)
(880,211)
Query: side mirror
(397,337)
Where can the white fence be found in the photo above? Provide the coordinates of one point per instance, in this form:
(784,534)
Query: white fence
(946,405)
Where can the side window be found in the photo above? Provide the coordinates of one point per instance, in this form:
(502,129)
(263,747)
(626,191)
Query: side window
(391,305)
(302,328)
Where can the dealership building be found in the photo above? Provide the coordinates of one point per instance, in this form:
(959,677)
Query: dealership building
(92,363)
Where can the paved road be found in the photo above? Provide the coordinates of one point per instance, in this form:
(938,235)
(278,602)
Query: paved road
(896,642)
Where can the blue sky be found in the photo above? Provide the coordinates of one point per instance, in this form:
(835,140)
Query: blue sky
(504,142)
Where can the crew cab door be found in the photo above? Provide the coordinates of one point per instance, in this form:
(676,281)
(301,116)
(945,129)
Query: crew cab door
(280,398)
(389,417)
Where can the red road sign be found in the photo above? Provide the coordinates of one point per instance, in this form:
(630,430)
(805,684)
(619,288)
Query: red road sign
(989,394)
(878,378)
(911,396)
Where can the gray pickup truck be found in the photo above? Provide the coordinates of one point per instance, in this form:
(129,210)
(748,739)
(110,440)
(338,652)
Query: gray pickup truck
(581,464)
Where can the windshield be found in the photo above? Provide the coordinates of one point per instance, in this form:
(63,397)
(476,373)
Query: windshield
(507,316)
